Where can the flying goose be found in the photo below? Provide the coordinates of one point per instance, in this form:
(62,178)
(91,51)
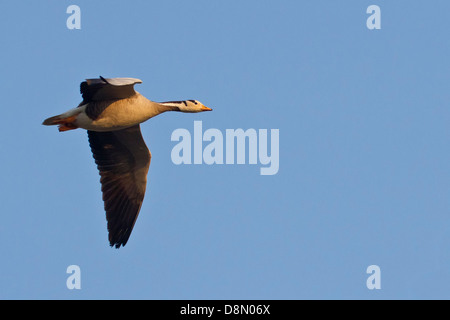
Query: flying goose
(111,112)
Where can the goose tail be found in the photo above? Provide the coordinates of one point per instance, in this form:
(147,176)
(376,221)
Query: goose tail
(63,121)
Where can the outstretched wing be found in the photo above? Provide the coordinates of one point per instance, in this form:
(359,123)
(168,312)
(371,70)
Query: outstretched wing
(107,89)
(123,160)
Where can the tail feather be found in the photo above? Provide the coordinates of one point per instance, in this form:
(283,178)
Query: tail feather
(64,122)
(52,121)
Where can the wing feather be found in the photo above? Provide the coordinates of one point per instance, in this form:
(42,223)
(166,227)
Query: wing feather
(123,160)
(107,89)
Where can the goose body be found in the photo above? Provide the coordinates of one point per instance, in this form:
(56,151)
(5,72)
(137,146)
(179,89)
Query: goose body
(115,114)
(112,111)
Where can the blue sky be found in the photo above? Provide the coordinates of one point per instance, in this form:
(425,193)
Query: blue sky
(364,173)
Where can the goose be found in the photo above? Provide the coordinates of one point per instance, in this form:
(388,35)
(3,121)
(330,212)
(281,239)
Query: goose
(111,112)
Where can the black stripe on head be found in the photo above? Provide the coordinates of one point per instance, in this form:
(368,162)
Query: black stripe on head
(193,101)
(177,102)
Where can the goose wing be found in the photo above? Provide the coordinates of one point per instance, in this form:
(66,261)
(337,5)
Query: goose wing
(107,89)
(123,160)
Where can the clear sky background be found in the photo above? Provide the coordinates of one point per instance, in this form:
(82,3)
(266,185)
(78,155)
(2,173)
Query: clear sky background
(364,150)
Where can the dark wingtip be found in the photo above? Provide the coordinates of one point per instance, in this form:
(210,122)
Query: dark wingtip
(119,241)
(117,245)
